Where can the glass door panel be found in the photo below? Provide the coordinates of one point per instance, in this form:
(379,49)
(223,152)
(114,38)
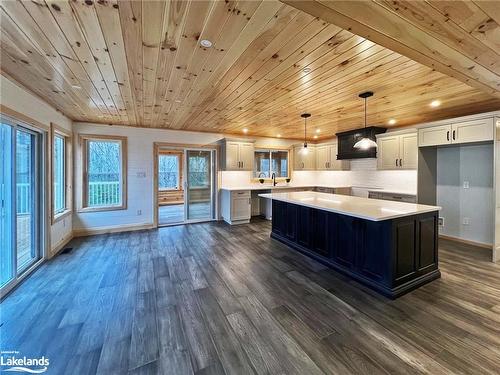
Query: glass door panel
(27,193)
(6,206)
(199,185)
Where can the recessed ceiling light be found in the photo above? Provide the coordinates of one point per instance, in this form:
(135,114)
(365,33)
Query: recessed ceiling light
(245,130)
(279,135)
(206,43)
(435,103)
(76,86)
(315,137)
(318,130)
(306,70)
(392,121)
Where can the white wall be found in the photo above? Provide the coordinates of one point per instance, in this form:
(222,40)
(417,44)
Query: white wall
(22,101)
(140,160)
(472,164)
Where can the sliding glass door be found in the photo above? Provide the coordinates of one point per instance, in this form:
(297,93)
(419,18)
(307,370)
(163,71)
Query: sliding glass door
(20,194)
(200,192)
(7,205)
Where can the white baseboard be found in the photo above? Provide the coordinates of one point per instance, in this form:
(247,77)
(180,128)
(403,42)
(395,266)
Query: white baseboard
(82,232)
(60,245)
(468,242)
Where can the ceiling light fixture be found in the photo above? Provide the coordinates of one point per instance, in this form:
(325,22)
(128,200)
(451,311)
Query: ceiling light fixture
(76,87)
(315,137)
(206,43)
(392,121)
(435,103)
(305,116)
(317,131)
(245,130)
(306,70)
(279,135)
(365,143)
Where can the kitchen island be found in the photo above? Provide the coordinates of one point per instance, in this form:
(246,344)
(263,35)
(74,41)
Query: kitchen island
(391,247)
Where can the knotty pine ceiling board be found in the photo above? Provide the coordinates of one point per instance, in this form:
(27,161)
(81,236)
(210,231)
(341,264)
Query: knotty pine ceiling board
(140,63)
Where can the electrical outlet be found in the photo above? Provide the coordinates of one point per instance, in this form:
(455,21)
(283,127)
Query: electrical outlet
(139,212)
(141,174)
(441,221)
(466,221)
(466,184)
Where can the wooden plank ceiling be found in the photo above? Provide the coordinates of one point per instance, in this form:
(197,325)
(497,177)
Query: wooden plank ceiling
(141,64)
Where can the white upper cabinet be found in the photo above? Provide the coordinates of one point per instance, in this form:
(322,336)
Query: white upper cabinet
(434,136)
(459,132)
(237,156)
(398,151)
(326,158)
(473,131)
(304,161)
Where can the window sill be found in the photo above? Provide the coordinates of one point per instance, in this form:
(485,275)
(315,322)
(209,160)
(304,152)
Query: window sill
(101,208)
(60,216)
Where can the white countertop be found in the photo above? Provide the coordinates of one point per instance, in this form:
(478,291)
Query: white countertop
(392,191)
(363,208)
(279,186)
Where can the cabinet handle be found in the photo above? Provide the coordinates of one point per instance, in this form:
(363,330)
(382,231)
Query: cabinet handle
(396,162)
(400,162)
(242,165)
(453,134)
(448,135)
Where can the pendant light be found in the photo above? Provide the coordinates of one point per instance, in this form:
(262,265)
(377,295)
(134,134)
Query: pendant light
(365,143)
(305,116)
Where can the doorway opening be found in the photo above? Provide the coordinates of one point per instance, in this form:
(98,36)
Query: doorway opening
(185,185)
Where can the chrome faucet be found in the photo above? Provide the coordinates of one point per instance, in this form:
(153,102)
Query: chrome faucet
(273,176)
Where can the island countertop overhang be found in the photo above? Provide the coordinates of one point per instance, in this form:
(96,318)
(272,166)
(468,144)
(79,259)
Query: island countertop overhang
(362,208)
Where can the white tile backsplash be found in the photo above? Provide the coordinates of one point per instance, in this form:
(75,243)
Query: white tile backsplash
(363,174)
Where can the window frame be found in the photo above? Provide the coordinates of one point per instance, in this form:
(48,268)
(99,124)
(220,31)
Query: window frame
(83,141)
(179,156)
(57,131)
(270,150)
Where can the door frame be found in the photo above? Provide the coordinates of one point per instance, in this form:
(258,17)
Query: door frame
(42,195)
(182,147)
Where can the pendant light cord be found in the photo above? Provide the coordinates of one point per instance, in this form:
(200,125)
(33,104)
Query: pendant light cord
(305,124)
(365,112)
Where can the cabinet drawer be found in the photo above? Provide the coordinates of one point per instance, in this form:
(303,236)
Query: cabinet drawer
(240,194)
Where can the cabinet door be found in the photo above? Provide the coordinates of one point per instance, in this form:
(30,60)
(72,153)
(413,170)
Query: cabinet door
(388,152)
(298,159)
(322,157)
(310,159)
(337,165)
(473,131)
(321,233)
(240,208)
(246,156)
(232,155)
(436,135)
(408,151)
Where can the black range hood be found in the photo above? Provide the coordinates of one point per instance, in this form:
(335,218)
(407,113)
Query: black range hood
(346,141)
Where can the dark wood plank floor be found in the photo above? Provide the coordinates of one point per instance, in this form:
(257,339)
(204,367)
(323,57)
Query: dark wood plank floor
(215,299)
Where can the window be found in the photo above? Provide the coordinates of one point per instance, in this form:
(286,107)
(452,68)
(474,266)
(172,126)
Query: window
(267,162)
(199,171)
(59,181)
(104,172)
(169,172)
(61,172)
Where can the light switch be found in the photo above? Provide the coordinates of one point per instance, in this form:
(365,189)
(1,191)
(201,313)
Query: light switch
(141,174)
(466,184)
(466,221)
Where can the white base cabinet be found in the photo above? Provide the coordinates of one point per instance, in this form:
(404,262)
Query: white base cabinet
(236,206)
